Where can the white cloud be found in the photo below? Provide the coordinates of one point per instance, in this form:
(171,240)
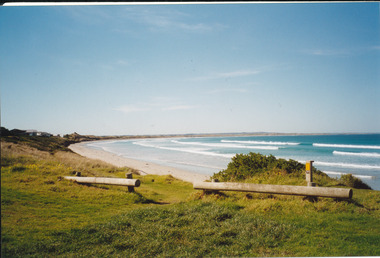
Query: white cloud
(156,104)
(88,14)
(225,75)
(155,18)
(375,48)
(179,107)
(222,90)
(130,108)
(115,64)
(169,19)
(106,67)
(341,52)
(326,52)
(122,62)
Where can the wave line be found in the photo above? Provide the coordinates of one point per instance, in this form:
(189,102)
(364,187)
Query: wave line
(360,154)
(347,146)
(218,145)
(346,165)
(186,150)
(262,142)
(341,173)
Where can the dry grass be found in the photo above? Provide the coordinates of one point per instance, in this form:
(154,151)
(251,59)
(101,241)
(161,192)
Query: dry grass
(68,159)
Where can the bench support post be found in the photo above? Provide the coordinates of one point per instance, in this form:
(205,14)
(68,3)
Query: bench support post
(131,189)
(309,173)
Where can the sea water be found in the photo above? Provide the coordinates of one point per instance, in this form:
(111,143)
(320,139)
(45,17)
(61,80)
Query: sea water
(336,155)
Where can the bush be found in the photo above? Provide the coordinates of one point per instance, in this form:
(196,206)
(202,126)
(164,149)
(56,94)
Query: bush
(245,166)
(351,181)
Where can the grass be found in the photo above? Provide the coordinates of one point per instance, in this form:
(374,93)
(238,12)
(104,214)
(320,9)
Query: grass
(43,215)
(186,229)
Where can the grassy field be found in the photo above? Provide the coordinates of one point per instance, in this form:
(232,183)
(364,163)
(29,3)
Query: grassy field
(44,215)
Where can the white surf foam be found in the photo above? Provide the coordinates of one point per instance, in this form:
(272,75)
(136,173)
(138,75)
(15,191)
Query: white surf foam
(351,146)
(109,149)
(189,150)
(341,173)
(221,145)
(262,142)
(360,154)
(346,165)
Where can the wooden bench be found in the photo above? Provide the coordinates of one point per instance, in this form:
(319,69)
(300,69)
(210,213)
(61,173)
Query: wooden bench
(129,182)
(276,189)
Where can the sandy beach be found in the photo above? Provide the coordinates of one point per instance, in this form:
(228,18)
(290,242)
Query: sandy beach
(142,167)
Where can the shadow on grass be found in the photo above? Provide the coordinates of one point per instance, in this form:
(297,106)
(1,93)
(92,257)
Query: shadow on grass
(314,199)
(354,202)
(311,199)
(141,198)
(338,200)
(149,201)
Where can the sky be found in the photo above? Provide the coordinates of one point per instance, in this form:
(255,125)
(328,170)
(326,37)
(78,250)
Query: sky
(191,68)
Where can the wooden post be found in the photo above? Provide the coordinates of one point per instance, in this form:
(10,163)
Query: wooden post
(309,173)
(214,180)
(131,189)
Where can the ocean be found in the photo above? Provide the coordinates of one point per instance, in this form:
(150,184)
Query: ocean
(357,154)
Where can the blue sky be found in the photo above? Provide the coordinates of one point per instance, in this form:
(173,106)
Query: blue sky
(204,68)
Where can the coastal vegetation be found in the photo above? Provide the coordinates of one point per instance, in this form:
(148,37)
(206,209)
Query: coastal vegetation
(262,169)
(44,215)
(50,143)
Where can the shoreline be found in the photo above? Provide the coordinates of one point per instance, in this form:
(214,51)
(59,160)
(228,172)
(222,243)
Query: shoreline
(143,167)
(87,138)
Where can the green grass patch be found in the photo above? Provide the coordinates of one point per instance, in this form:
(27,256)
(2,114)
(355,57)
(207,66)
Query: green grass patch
(187,229)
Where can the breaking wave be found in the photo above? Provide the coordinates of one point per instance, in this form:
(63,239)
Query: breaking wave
(350,146)
(262,142)
(346,165)
(360,154)
(341,173)
(188,150)
(221,145)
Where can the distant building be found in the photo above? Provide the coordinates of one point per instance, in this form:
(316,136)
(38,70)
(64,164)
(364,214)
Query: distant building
(44,134)
(18,132)
(37,133)
(31,132)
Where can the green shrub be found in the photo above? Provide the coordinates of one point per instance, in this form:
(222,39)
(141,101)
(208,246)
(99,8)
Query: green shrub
(246,166)
(351,181)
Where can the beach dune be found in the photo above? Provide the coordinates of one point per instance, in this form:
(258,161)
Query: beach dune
(143,167)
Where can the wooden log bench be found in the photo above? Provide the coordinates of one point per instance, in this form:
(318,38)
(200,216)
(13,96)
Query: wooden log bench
(311,190)
(344,193)
(129,181)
